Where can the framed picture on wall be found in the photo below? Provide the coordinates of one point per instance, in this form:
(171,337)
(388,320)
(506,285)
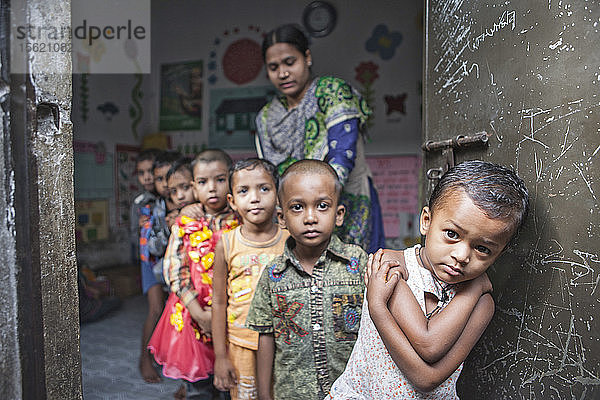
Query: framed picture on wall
(126,183)
(233,112)
(181,96)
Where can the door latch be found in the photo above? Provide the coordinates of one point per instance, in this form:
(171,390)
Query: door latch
(448,146)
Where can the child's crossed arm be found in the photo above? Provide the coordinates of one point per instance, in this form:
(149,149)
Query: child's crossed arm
(427,351)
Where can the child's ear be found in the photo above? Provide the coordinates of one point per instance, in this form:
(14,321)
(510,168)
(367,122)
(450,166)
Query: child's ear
(339,215)
(425,220)
(231,202)
(280,218)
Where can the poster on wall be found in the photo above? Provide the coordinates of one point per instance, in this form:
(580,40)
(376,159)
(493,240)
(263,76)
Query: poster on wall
(233,112)
(126,183)
(397,181)
(93,173)
(91,218)
(181,96)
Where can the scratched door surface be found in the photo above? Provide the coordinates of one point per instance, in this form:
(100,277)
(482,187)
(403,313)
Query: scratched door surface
(528,73)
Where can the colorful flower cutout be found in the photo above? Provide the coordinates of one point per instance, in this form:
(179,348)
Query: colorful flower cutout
(383,42)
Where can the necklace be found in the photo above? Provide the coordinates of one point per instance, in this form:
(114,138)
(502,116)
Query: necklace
(445,296)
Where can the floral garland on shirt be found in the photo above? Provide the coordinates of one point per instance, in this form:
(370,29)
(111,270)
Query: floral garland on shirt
(199,243)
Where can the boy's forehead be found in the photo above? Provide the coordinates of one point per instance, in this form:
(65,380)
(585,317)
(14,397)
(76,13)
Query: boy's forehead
(202,166)
(297,183)
(180,174)
(144,164)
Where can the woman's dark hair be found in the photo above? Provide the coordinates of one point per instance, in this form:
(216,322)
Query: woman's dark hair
(288,33)
(182,164)
(251,163)
(496,190)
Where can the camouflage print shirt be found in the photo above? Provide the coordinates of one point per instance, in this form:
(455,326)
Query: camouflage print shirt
(314,318)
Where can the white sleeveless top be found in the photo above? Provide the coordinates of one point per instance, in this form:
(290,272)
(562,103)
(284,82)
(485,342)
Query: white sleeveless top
(371,373)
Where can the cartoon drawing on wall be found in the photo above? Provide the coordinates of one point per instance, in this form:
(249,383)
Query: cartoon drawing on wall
(181,96)
(246,48)
(83,90)
(233,113)
(108,109)
(395,103)
(383,42)
(135,109)
(366,74)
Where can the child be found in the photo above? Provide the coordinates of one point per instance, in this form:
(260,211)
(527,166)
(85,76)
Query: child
(152,247)
(308,301)
(240,258)
(182,339)
(143,172)
(474,212)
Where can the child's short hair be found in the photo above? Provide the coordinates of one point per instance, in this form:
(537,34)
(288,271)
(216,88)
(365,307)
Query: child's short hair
(165,158)
(311,167)
(181,164)
(147,154)
(251,163)
(210,155)
(496,190)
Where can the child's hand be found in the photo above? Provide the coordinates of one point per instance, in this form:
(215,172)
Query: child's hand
(479,285)
(381,281)
(194,210)
(171,218)
(485,283)
(390,256)
(202,318)
(225,374)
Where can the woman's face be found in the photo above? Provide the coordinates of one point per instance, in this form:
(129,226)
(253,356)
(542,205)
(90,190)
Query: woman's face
(289,71)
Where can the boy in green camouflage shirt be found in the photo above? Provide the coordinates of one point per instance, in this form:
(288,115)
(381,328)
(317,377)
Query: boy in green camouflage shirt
(308,301)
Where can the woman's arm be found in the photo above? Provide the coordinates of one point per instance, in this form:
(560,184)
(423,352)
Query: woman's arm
(422,375)
(225,375)
(430,338)
(264,365)
(342,140)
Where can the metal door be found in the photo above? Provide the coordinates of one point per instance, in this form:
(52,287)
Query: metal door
(528,74)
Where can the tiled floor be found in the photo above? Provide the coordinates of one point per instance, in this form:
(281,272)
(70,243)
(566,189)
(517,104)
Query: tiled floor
(110,350)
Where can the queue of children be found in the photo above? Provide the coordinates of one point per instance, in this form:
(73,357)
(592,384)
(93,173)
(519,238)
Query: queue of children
(267,302)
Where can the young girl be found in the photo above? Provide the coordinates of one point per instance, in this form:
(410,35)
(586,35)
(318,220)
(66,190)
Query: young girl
(240,258)
(182,340)
(413,345)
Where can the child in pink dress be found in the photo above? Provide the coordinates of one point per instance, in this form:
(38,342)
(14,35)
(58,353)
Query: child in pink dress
(182,341)
(415,335)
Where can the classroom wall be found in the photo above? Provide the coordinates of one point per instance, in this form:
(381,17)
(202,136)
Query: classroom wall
(123,109)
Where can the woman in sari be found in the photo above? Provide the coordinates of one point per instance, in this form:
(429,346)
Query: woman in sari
(320,118)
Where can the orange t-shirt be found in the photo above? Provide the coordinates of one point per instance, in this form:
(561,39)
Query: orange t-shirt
(246,261)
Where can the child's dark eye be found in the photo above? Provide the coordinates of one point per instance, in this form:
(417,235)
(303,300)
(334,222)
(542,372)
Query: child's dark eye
(201,181)
(483,249)
(242,190)
(186,187)
(296,207)
(221,180)
(323,206)
(451,234)
(265,189)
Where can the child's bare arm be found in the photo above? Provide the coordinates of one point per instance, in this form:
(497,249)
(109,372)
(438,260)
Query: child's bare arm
(225,374)
(264,365)
(427,376)
(200,315)
(430,338)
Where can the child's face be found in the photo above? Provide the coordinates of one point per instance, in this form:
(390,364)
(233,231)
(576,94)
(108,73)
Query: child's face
(160,180)
(211,185)
(180,188)
(143,170)
(310,210)
(462,242)
(253,196)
